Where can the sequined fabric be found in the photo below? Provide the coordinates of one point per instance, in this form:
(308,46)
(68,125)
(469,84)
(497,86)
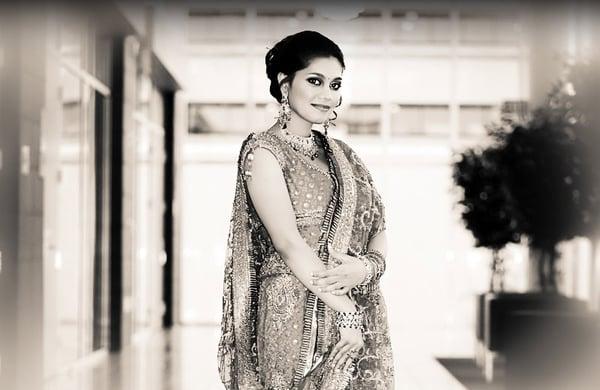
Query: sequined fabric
(274,331)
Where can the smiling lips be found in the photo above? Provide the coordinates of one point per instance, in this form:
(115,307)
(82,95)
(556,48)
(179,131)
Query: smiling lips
(321,107)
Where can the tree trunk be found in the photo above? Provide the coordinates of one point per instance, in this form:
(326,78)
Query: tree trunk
(497,274)
(547,272)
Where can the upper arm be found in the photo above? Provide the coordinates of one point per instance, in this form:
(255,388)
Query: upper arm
(379,242)
(269,195)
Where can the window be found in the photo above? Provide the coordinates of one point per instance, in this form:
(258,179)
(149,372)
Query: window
(514,110)
(484,28)
(473,118)
(217,118)
(273,24)
(215,25)
(420,27)
(361,119)
(421,120)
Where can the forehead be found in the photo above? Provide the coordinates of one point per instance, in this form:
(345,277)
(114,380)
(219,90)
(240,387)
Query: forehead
(328,66)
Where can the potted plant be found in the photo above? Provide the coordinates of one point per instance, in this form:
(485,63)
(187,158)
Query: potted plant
(486,213)
(552,179)
(545,172)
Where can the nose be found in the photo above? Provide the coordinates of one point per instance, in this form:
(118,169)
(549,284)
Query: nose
(328,96)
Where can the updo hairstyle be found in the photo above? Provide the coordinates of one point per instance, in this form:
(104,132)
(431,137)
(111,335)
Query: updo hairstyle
(294,53)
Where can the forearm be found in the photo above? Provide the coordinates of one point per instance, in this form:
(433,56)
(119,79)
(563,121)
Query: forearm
(379,244)
(303,262)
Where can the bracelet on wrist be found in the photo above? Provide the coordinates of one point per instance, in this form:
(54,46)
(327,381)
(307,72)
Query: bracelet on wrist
(377,259)
(369,267)
(352,320)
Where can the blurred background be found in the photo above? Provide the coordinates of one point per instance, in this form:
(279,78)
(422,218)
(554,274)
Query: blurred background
(120,125)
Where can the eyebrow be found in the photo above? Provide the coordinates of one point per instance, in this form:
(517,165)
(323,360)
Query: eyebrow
(319,74)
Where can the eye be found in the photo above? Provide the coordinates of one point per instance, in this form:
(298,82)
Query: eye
(335,86)
(314,81)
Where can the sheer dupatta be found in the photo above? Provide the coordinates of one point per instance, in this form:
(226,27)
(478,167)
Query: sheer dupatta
(237,354)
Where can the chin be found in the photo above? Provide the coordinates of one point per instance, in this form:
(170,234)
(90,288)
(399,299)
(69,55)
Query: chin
(318,119)
(311,116)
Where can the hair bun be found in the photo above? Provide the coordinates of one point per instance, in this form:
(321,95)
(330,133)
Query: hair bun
(295,52)
(270,58)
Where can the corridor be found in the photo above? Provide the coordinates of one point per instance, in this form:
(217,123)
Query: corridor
(184,358)
(120,128)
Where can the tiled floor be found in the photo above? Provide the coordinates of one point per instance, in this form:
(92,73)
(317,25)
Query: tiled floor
(185,359)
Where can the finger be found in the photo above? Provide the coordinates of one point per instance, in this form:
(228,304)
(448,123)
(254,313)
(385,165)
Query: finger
(323,274)
(341,346)
(341,291)
(333,287)
(348,364)
(326,282)
(341,356)
(345,357)
(335,350)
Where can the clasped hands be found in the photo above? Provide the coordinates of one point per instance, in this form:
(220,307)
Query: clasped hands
(341,278)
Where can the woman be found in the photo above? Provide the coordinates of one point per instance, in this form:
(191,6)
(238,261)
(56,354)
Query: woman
(302,307)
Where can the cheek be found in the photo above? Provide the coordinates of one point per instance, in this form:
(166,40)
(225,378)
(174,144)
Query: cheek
(303,93)
(301,96)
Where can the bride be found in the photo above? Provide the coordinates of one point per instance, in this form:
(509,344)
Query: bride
(307,243)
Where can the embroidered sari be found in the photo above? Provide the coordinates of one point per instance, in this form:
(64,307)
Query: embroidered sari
(275,333)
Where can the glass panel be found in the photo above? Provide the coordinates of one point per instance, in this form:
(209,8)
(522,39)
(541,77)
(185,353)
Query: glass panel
(421,120)
(217,118)
(472,119)
(361,119)
(492,28)
(420,27)
(75,219)
(148,213)
(215,25)
(367,27)
(272,25)
(264,116)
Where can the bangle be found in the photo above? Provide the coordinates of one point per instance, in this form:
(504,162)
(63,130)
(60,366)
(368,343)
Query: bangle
(353,320)
(377,258)
(369,268)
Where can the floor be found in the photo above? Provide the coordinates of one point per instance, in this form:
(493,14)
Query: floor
(185,359)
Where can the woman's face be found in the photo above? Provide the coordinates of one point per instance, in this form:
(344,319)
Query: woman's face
(315,90)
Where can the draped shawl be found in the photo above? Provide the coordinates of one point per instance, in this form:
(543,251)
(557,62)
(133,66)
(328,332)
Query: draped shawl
(237,351)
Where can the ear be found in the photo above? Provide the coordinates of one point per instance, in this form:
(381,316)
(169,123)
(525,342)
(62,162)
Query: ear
(280,77)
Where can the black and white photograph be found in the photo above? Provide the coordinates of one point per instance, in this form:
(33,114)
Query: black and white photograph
(300,195)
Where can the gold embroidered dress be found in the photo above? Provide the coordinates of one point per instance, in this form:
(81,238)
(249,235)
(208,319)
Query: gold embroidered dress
(274,331)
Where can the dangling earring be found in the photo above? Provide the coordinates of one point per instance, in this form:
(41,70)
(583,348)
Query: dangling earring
(330,121)
(285,112)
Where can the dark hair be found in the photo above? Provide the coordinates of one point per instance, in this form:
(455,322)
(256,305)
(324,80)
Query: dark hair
(294,53)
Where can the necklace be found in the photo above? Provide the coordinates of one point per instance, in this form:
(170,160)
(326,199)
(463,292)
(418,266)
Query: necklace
(308,146)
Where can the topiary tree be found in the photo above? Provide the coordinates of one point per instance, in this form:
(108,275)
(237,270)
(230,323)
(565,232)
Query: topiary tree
(578,96)
(487,213)
(552,179)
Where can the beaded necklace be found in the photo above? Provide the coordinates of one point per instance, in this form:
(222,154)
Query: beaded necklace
(308,146)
